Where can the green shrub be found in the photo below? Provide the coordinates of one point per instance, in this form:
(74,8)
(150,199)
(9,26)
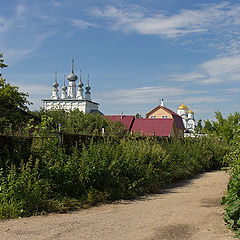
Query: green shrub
(23,192)
(54,179)
(232,200)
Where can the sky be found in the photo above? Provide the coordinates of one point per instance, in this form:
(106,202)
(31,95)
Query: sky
(136,52)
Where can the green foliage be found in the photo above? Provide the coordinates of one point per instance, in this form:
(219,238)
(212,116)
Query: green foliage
(12,103)
(225,128)
(232,200)
(77,122)
(109,169)
(23,192)
(2,65)
(12,96)
(207,126)
(199,126)
(138,115)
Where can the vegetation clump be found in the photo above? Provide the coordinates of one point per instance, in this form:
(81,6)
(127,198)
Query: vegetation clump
(57,179)
(232,199)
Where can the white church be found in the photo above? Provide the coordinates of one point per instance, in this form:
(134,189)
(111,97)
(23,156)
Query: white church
(73,96)
(187,117)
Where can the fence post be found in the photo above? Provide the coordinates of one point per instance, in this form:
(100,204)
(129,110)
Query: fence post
(59,134)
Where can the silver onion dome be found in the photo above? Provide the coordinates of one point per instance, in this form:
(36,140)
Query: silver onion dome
(64,88)
(80,84)
(55,84)
(88,88)
(72,77)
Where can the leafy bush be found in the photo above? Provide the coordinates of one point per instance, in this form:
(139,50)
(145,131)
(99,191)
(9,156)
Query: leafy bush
(23,192)
(232,200)
(109,169)
(77,122)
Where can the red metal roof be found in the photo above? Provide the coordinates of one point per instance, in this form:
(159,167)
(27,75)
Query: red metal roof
(127,120)
(178,121)
(177,118)
(153,127)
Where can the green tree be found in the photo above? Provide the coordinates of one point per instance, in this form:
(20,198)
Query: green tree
(12,102)
(207,126)
(138,115)
(226,127)
(199,126)
(2,65)
(77,122)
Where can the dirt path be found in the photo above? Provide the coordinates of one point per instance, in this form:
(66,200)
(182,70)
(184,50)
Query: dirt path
(187,210)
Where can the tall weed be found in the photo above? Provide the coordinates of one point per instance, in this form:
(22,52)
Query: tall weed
(54,179)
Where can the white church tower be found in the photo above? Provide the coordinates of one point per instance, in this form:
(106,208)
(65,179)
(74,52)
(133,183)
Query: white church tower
(72,78)
(72,97)
(55,88)
(187,117)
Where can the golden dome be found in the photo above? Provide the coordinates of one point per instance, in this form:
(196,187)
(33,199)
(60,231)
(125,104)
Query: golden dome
(183,107)
(191,111)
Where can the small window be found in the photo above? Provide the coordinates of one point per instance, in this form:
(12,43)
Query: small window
(164,117)
(153,117)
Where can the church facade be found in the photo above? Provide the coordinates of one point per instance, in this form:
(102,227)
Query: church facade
(187,117)
(72,96)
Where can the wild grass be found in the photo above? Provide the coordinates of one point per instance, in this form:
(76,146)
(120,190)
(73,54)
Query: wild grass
(56,180)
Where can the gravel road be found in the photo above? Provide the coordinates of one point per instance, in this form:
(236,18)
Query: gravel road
(187,210)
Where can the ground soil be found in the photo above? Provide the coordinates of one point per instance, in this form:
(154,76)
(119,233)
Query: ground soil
(187,210)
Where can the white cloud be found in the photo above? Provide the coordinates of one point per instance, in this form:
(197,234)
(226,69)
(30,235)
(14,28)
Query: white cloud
(82,24)
(206,99)
(145,95)
(21,9)
(220,69)
(204,20)
(230,90)
(4,25)
(23,32)
(56,3)
(33,89)
(220,66)
(188,77)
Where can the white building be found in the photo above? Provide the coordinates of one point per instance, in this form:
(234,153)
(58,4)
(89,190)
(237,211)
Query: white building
(72,97)
(187,117)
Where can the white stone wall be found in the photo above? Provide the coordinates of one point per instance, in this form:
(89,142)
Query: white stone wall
(83,106)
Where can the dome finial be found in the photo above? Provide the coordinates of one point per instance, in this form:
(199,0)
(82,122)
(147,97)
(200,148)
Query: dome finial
(72,76)
(80,84)
(72,65)
(64,88)
(55,84)
(162,103)
(88,88)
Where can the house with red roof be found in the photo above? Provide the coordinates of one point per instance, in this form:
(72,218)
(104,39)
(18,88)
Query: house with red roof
(160,121)
(126,120)
(154,127)
(162,113)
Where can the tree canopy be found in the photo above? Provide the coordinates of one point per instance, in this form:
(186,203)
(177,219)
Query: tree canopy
(12,102)
(2,65)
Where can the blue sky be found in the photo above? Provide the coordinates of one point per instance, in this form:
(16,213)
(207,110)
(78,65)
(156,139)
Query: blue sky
(136,52)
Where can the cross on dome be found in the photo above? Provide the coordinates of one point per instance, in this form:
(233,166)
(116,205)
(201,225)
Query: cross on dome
(72,76)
